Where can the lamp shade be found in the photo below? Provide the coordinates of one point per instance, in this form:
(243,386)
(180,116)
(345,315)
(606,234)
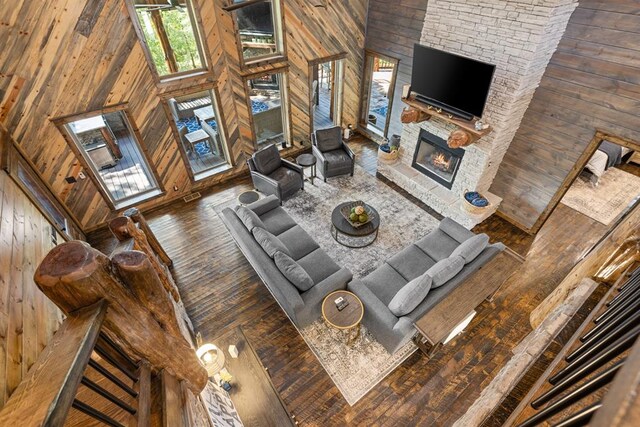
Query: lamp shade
(211,357)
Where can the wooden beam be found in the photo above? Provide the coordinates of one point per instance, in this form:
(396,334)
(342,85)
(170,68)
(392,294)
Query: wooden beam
(142,417)
(169,56)
(172,404)
(138,218)
(75,275)
(46,394)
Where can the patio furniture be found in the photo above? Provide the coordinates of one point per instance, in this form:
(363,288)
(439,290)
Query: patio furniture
(205,113)
(190,139)
(308,161)
(354,237)
(334,156)
(273,175)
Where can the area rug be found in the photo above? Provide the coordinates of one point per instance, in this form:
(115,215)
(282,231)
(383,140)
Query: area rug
(615,191)
(355,369)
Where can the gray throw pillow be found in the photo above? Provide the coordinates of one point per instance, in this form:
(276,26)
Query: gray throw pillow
(270,243)
(329,139)
(267,160)
(410,295)
(249,218)
(471,248)
(293,272)
(444,270)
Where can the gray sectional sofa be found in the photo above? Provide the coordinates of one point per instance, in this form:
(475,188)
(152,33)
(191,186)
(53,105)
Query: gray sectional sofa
(394,293)
(290,263)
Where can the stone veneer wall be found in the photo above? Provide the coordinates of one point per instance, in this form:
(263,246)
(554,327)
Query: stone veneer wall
(519,36)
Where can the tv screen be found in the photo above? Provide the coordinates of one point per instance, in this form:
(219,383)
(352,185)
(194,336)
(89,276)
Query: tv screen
(450,80)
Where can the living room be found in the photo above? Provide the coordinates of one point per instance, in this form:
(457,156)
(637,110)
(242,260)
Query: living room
(318,212)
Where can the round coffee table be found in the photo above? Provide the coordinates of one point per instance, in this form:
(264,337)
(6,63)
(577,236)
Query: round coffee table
(353,237)
(348,319)
(306,161)
(248,197)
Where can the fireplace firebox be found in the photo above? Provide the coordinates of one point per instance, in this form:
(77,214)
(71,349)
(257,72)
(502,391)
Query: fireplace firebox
(434,158)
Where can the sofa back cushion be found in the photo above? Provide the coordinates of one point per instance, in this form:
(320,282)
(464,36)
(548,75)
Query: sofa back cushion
(293,271)
(445,270)
(471,248)
(455,230)
(329,139)
(270,243)
(267,160)
(411,295)
(249,218)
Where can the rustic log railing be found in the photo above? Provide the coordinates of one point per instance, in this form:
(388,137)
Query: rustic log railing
(595,379)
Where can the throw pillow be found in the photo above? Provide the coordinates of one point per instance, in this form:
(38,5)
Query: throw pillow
(270,243)
(249,218)
(410,295)
(471,248)
(444,270)
(293,271)
(267,160)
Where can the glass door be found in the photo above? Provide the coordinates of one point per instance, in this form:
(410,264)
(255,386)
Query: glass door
(326,93)
(380,75)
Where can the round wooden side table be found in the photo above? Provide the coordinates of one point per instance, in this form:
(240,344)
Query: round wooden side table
(348,319)
(308,161)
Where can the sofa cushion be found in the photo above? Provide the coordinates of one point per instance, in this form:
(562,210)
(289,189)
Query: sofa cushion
(277,221)
(249,218)
(293,271)
(411,295)
(270,243)
(329,139)
(267,160)
(318,265)
(471,248)
(445,270)
(411,262)
(455,230)
(337,159)
(437,244)
(290,180)
(298,242)
(384,282)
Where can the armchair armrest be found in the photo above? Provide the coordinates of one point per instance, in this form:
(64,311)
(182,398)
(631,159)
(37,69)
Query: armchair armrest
(265,205)
(348,150)
(293,166)
(266,185)
(316,152)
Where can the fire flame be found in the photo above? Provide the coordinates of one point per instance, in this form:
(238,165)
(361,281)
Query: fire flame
(441,160)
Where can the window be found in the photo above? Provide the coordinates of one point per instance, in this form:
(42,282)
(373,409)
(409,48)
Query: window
(259,29)
(200,134)
(169,31)
(268,103)
(114,157)
(379,80)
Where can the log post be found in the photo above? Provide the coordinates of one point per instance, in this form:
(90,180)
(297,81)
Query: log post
(75,275)
(124,228)
(138,218)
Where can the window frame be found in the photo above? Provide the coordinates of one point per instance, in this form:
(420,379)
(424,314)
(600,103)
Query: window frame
(158,191)
(284,102)
(367,74)
(213,88)
(196,24)
(277,16)
(339,60)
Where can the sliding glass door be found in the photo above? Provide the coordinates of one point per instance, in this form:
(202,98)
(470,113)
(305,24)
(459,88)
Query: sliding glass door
(267,96)
(379,80)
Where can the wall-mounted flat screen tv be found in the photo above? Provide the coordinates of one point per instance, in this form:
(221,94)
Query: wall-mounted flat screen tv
(454,83)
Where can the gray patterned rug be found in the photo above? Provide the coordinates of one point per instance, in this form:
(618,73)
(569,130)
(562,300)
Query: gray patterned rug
(616,190)
(356,369)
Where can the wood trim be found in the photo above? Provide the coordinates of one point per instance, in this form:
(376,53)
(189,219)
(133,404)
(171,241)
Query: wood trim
(196,23)
(593,145)
(234,6)
(45,395)
(336,57)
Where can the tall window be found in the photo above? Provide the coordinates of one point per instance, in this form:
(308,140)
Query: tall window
(196,118)
(259,29)
(170,34)
(379,78)
(268,102)
(115,159)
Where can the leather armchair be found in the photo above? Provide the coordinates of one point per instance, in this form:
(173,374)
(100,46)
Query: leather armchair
(334,156)
(272,174)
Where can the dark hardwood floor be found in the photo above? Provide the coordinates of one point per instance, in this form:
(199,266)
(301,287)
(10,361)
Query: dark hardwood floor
(221,290)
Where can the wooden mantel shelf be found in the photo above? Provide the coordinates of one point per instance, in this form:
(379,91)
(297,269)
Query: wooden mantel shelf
(464,125)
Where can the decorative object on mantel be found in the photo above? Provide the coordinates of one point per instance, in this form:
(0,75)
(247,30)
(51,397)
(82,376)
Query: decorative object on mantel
(475,203)
(419,111)
(458,138)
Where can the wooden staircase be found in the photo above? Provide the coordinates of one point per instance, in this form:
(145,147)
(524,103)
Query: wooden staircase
(124,356)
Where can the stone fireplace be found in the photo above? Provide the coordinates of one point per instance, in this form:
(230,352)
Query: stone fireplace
(519,37)
(434,158)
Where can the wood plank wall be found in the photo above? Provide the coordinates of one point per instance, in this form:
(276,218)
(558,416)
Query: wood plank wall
(392,29)
(28,319)
(592,82)
(64,57)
